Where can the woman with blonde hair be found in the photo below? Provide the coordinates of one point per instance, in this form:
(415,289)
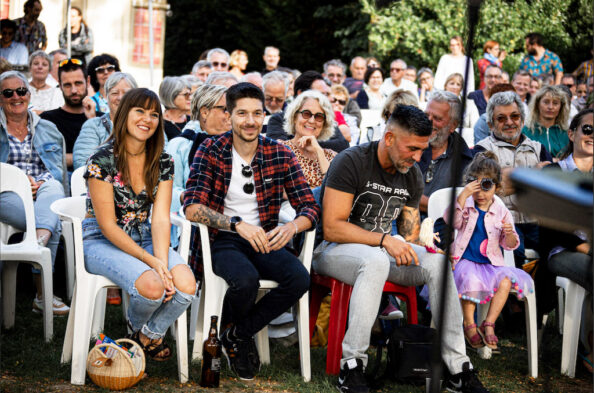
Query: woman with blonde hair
(238,63)
(548,119)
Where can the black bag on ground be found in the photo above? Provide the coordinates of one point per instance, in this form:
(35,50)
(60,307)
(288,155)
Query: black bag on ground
(409,353)
(409,350)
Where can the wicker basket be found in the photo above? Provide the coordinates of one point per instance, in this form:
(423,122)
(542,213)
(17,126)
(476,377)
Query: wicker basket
(119,371)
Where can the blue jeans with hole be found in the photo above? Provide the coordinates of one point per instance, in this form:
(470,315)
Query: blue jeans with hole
(151,316)
(12,212)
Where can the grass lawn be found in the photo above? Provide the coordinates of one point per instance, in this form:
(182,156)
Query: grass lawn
(28,364)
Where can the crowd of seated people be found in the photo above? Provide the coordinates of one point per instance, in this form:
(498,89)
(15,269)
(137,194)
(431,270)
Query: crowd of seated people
(245,151)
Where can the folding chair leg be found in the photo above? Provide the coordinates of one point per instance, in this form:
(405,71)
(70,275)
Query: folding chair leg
(69,335)
(68,257)
(99,314)
(339,305)
(181,343)
(574,299)
(83,315)
(303,332)
(530,301)
(48,300)
(262,343)
(194,317)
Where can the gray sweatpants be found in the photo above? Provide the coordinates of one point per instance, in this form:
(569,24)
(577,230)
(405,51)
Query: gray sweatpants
(367,269)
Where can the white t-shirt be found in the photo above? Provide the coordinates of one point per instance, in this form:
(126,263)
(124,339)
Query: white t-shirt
(449,64)
(237,201)
(388,87)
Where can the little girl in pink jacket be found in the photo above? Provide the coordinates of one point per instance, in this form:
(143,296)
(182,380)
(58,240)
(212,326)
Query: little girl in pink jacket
(484,226)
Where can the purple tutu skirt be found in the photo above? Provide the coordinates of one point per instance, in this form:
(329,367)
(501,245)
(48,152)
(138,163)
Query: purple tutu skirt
(478,282)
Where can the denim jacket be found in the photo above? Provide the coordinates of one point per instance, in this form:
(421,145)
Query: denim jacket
(47,140)
(465,221)
(92,134)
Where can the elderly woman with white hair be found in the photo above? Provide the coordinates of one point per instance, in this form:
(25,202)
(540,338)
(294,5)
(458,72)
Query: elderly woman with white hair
(34,146)
(96,130)
(310,118)
(43,96)
(175,94)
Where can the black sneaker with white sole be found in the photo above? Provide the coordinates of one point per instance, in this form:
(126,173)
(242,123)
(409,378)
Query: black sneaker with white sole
(352,377)
(465,382)
(239,355)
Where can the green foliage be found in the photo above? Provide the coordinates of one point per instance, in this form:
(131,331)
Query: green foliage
(306,32)
(419,31)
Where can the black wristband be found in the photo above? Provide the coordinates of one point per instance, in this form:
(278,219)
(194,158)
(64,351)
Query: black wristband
(382,240)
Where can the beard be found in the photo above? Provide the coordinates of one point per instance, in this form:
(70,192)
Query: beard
(440,137)
(506,137)
(76,103)
(532,51)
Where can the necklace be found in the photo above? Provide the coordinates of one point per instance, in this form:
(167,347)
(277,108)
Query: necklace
(136,154)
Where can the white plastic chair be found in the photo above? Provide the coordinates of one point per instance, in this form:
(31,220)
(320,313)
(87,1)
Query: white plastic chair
(15,180)
(213,293)
(572,317)
(370,118)
(88,286)
(438,202)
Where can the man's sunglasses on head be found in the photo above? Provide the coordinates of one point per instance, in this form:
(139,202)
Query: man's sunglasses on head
(69,61)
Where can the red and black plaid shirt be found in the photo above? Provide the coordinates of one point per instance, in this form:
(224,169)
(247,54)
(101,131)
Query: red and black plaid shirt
(275,169)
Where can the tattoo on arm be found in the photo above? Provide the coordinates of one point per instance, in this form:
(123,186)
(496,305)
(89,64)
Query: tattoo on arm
(409,224)
(210,218)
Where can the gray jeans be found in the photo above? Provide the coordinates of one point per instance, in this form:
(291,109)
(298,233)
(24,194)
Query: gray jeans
(367,269)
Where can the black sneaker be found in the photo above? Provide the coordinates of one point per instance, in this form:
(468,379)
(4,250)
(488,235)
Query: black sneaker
(254,356)
(237,352)
(465,382)
(351,378)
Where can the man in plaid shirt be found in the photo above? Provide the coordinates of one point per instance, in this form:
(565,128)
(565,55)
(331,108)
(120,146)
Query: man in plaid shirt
(236,187)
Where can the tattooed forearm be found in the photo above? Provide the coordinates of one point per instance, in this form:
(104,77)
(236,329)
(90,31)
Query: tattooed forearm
(207,216)
(409,224)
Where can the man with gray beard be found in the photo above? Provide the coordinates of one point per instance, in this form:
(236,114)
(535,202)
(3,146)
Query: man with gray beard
(436,162)
(505,117)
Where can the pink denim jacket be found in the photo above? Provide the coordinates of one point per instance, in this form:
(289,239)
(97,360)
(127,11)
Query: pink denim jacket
(465,222)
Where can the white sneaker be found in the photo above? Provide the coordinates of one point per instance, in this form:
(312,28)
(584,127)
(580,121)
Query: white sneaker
(58,305)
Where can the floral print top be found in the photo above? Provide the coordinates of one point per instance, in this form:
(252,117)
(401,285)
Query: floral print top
(131,209)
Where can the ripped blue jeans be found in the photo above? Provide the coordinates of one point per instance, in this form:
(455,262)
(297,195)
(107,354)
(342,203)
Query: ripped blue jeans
(151,317)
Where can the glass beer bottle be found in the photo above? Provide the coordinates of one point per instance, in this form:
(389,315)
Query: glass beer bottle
(211,357)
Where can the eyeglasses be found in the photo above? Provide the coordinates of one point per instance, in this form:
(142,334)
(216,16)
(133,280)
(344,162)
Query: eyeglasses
(319,117)
(105,69)
(332,76)
(492,76)
(570,85)
(396,69)
(277,100)
(486,183)
(246,171)
(341,102)
(21,92)
(69,61)
(221,107)
(515,117)
(586,128)
(187,95)
(217,64)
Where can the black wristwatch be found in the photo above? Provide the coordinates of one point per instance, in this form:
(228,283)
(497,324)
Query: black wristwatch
(234,221)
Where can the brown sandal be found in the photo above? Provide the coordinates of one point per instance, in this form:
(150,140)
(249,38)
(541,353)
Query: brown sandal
(154,350)
(474,341)
(490,340)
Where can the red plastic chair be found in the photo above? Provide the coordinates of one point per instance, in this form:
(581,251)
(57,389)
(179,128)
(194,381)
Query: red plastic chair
(339,307)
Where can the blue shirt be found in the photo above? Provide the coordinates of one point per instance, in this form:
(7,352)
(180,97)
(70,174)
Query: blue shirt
(476,251)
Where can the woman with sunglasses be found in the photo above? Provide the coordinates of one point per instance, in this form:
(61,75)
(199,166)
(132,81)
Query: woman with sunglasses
(310,119)
(99,69)
(81,37)
(175,94)
(485,226)
(347,123)
(33,145)
(127,177)
(43,96)
(569,255)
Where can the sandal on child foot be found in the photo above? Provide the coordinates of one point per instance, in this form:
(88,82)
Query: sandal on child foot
(155,349)
(476,340)
(490,340)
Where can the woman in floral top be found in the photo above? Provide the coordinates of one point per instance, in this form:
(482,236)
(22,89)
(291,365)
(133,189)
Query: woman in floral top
(127,176)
